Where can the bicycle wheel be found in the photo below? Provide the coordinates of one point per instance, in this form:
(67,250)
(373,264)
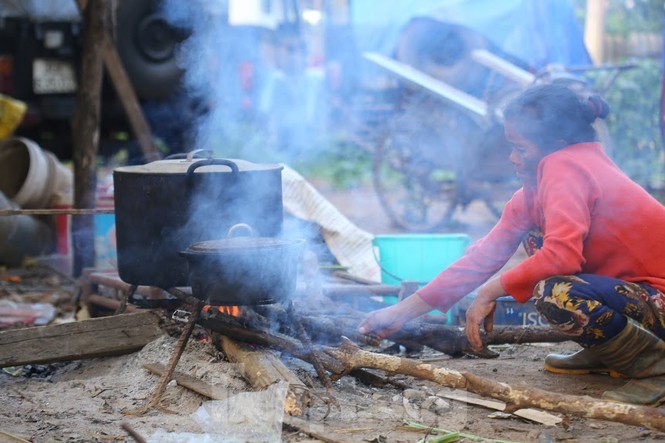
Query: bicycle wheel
(415,200)
(421,165)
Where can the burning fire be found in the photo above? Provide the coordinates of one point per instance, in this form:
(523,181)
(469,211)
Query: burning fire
(233,311)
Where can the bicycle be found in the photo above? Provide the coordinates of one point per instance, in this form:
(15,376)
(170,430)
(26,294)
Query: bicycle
(439,152)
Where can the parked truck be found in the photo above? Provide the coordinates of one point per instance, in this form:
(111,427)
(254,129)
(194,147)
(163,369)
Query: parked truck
(40,57)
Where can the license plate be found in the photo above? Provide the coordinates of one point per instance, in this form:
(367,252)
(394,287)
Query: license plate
(51,76)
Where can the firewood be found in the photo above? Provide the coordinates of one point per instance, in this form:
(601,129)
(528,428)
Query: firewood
(261,368)
(515,397)
(332,320)
(96,337)
(275,340)
(293,347)
(214,392)
(448,339)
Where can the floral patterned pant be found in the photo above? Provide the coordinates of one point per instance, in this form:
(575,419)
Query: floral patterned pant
(593,308)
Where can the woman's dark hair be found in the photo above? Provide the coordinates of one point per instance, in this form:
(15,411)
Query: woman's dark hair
(549,114)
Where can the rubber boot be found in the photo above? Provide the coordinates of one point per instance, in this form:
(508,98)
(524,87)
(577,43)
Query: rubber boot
(581,362)
(639,354)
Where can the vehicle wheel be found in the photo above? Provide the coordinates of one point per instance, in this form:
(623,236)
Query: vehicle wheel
(421,165)
(147,43)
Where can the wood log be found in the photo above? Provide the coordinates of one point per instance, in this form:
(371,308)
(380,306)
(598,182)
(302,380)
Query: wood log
(96,337)
(444,338)
(294,348)
(261,368)
(515,397)
(275,340)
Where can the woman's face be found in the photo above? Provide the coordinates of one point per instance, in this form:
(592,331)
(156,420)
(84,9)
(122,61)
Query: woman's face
(524,155)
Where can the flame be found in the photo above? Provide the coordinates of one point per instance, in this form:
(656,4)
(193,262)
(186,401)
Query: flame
(233,311)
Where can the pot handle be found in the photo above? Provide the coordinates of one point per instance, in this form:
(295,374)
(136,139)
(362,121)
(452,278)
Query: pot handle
(211,161)
(237,226)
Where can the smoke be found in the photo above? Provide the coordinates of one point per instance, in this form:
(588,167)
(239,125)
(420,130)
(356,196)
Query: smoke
(261,99)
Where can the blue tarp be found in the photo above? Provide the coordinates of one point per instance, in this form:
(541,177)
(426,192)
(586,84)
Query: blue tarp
(538,32)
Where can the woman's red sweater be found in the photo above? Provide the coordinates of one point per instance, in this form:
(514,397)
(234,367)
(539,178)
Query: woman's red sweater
(594,220)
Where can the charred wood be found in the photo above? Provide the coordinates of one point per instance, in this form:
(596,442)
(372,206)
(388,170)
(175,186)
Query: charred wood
(444,338)
(230,328)
(309,349)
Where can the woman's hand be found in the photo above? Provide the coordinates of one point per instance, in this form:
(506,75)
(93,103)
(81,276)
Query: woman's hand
(482,311)
(385,322)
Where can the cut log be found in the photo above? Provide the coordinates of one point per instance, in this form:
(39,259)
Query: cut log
(261,368)
(96,337)
(515,397)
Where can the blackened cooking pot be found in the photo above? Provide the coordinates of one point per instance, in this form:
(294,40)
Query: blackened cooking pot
(243,270)
(165,206)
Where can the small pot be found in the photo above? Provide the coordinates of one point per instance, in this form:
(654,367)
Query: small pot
(244,270)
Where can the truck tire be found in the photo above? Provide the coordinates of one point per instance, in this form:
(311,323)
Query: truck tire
(147,44)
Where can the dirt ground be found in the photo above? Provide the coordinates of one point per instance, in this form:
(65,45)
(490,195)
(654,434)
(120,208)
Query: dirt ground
(88,400)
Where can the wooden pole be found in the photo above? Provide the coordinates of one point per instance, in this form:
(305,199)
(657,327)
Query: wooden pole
(129,100)
(85,133)
(123,87)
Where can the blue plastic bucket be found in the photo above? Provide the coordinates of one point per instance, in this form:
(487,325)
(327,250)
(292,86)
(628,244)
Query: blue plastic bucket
(419,257)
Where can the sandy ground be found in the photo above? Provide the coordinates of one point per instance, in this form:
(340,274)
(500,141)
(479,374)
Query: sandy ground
(88,400)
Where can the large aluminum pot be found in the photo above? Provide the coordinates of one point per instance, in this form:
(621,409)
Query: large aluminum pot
(245,270)
(165,206)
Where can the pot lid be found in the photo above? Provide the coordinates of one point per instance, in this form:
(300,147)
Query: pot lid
(180,166)
(239,243)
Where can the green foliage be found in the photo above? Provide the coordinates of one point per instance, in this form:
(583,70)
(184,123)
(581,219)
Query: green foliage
(342,163)
(634,122)
(635,96)
(625,16)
